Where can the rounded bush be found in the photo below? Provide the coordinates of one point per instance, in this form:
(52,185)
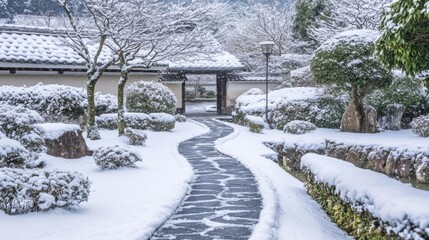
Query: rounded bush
(420,126)
(12,153)
(150,97)
(17,121)
(255,123)
(162,121)
(253,91)
(23,191)
(135,136)
(299,127)
(115,157)
(56,103)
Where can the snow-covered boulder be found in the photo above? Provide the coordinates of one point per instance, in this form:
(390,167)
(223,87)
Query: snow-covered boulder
(150,97)
(162,121)
(115,157)
(64,140)
(299,127)
(132,120)
(23,191)
(135,136)
(368,204)
(420,126)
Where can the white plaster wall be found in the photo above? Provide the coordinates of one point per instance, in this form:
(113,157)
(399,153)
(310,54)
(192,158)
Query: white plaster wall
(107,84)
(235,89)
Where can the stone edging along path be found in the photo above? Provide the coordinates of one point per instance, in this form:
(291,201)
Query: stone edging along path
(224,201)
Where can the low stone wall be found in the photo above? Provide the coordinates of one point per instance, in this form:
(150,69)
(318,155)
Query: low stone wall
(408,164)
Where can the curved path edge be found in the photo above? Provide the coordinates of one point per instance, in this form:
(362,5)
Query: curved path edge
(224,201)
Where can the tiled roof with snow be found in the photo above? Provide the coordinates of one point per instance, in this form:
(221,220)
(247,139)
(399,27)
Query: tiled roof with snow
(213,62)
(39,48)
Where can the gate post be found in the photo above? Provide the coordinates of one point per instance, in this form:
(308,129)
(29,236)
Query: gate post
(221,80)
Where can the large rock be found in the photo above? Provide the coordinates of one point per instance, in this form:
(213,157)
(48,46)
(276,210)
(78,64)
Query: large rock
(350,122)
(64,140)
(394,116)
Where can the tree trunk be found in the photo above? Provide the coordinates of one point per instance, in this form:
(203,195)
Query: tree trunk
(90,89)
(358,102)
(121,115)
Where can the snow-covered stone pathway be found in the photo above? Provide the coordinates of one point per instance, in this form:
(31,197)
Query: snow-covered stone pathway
(224,201)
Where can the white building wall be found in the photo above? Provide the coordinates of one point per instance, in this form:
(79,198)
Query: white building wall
(235,89)
(107,84)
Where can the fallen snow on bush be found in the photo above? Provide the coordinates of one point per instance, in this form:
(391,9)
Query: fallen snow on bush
(116,157)
(128,203)
(385,198)
(132,120)
(52,131)
(23,191)
(420,126)
(299,127)
(12,153)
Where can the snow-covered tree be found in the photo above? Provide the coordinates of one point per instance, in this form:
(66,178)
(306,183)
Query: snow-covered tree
(256,23)
(143,32)
(405,39)
(347,60)
(318,20)
(87,36)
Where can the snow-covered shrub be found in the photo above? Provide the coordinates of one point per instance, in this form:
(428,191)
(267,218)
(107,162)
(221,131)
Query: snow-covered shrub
(115,157)
(253,91)
(347,61)
(180,118)
(368,205)
(12,153)
(135,136)
(94,133)
(302,77)
(150,97)
(255,123)
(105,103)
(420,126)
(299,127)
(23,191)
(17,121)
(162,121)
(34,143)
(56,103)
(132,120)
(288,104)
(405,91)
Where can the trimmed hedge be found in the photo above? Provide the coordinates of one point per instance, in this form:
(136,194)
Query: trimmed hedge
(23,191)
(359,224)
(162,121)
(132,120)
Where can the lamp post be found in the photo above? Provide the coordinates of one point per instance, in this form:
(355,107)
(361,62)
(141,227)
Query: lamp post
(267,50)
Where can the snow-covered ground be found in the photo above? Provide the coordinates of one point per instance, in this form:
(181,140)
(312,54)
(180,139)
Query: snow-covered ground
(198,107)
(125,203)
(288,213)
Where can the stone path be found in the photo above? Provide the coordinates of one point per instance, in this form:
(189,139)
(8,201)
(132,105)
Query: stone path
(224,201)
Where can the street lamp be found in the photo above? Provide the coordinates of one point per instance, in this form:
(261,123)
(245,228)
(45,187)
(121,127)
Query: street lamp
(267,50)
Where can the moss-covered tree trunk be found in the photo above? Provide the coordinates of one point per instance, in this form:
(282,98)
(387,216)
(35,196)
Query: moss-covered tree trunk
(121,114)
(90,91)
